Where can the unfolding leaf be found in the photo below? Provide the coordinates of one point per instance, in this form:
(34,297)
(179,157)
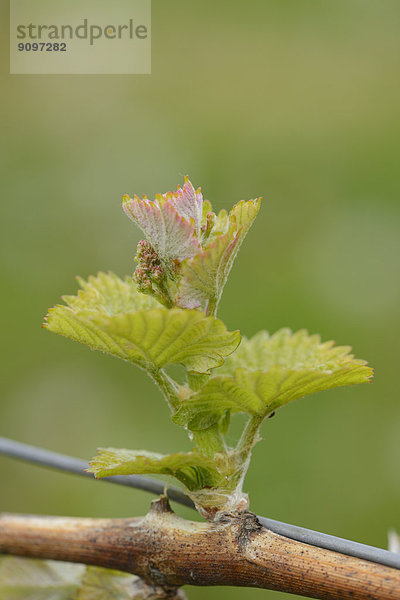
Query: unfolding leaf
(203,277)
(164,224)
(33,579)
(193,469)
(111,316)
(188,203)
(267,372)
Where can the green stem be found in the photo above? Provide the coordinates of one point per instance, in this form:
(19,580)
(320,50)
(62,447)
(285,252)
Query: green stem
(164,295)
(211,310)
(210,441)
(168,388)
(248,439)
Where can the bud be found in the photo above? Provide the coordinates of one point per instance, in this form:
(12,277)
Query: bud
(143,281)
(149,274)
(189,250)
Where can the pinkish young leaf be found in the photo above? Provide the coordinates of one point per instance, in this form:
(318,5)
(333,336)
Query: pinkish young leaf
(171,235)
(188,203)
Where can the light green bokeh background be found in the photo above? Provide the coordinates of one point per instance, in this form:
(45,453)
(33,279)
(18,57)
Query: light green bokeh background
(294,100)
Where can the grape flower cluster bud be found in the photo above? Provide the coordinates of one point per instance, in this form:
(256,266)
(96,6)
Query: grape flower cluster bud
(149,275)
(189,250)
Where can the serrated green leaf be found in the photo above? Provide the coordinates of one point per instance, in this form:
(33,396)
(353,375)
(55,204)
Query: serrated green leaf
(203,277)
(193,469)
(34,579)
(109,294)
(111,316)
(267,372)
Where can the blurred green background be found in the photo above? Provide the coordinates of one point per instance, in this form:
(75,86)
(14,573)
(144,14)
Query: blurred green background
(297,101)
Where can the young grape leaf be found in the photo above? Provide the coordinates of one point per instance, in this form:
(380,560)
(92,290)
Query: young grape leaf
(267,372)
(188,203)
(203,276)
(171,222)
(193,469)
(109,294)
(108,314)
(33,579)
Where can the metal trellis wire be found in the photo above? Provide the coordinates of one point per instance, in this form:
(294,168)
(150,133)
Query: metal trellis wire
(77,466)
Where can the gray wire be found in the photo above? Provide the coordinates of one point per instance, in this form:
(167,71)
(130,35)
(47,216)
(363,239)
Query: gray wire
(331,542)
(61,462)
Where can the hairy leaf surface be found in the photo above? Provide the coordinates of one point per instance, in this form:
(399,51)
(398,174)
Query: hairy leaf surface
(267,372)
(169,222)
(193,469)
(108,314)
(109,294)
